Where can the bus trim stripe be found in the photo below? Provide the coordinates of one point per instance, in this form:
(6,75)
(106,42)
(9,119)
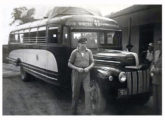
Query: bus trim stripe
(41,74)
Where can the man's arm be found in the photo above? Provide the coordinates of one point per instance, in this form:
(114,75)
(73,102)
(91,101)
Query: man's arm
(71,61)
(74,67)
(90,66)
(91,62)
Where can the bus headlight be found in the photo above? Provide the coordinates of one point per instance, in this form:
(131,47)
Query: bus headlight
(122,77)
(110,78)
(152,74)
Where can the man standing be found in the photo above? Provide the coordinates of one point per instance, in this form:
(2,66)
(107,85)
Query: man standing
(81,61)
(146,57)
(150,51)
(156,73)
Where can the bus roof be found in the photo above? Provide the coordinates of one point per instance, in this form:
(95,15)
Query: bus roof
(31,25)
(61,11)
(87,21)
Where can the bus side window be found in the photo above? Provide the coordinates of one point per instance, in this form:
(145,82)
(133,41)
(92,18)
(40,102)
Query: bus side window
(110,37)
(12,38)
(65,35)
(21,35)
(53,35)
(16,38)
(41,37)
(26,37)
(33,35)
(101,38)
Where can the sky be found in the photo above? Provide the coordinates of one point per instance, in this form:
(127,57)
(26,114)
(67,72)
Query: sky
(42,9)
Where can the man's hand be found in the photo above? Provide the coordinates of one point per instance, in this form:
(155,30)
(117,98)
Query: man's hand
(86,69)
(80,69)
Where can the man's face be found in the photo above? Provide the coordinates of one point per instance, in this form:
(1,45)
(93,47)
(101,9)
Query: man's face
(150,48)
(83,45)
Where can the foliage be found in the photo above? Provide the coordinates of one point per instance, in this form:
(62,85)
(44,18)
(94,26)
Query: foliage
(23,15)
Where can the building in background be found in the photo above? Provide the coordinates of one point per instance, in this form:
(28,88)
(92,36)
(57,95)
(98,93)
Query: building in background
(142,22)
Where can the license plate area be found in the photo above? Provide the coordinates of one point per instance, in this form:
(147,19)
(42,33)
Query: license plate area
(122,92)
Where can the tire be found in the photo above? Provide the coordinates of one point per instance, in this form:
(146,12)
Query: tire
(141,100)
(98,102)
(26,77)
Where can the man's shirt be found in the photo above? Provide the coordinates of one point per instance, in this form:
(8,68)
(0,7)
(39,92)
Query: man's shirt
(157,68)
(80,59)
(149,56)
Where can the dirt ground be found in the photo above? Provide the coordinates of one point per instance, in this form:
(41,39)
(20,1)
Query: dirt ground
(40,98)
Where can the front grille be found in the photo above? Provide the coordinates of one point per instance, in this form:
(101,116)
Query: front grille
(138,81)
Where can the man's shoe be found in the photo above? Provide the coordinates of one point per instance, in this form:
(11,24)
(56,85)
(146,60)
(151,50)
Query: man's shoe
(74,113)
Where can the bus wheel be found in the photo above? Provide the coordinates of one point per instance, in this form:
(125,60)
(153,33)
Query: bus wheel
(97,99)
(141,100)
(24,75)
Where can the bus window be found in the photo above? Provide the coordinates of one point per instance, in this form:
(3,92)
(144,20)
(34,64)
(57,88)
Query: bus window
(117,38)
(12,38)
(21,37)
(16,38)
(65,35)
(91,36)
(26,37)
(33,37)
(101,38)
(53,35)
(112,39)
(41,38)
(110,36)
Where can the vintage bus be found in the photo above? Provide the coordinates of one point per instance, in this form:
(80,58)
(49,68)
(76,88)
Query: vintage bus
(42,49)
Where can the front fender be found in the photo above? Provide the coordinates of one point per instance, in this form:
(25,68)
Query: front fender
(102,73)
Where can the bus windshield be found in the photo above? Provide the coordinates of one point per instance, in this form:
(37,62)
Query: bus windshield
(107,39)
(91,36)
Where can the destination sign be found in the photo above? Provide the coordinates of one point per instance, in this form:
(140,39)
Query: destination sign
(95,23)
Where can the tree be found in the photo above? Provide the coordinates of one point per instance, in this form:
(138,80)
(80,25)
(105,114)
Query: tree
(23,15)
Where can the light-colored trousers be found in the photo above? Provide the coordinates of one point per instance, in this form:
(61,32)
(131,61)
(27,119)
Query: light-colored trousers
(78,80)
(157,94)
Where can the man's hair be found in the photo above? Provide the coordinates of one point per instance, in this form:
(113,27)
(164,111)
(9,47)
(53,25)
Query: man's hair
(150,44)
(82,40)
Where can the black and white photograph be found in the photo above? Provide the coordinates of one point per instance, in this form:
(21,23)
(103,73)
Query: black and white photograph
(81,60)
